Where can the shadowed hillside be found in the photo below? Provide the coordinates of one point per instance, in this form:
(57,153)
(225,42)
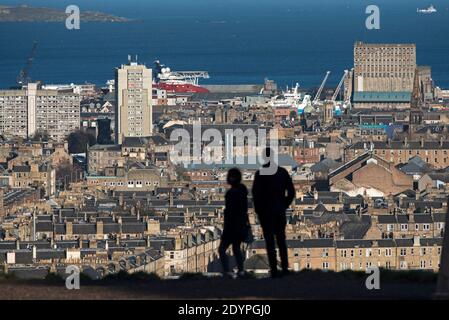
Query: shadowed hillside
(303,285)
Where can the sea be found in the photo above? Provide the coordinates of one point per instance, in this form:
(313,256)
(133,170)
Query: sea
(236,41)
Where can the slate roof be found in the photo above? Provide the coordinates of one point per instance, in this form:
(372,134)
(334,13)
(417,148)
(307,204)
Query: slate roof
(134,142)
(325,165)
(356,229)
(415,166)
(257,262)
(368,96)
(133,228)
(84,228)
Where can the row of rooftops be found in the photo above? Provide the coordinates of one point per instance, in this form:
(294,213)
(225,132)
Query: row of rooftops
(156,242)
(402,145)
(411,218)
(354,243)
(47,250)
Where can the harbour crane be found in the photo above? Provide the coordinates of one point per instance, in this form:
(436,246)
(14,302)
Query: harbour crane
(318,94)
(337,91)
(23,77)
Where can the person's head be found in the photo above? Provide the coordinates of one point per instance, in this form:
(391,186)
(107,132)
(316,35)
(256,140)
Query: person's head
(234,177)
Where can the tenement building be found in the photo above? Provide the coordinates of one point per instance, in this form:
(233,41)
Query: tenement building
(358,255)
(32,109)
(435,153)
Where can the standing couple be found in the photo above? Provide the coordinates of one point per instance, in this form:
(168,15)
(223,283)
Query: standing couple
(272,195)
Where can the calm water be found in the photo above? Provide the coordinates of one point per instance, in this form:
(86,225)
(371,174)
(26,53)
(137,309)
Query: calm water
(236,41)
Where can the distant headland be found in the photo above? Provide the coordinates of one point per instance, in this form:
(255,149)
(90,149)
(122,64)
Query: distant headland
(26,13)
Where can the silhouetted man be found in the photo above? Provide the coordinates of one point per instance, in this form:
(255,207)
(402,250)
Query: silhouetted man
(272,195)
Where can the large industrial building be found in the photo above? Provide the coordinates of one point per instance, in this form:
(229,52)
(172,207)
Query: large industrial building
(384,67)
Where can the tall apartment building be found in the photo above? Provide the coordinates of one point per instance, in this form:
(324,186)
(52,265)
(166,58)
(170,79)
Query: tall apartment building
(32,109)
(134,101)
(384,67)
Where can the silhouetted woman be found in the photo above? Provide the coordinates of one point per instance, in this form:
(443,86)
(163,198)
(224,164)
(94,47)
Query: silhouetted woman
(236,222)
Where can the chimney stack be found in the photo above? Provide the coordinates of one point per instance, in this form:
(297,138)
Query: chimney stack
(171,199)
(416,241)
(121,200)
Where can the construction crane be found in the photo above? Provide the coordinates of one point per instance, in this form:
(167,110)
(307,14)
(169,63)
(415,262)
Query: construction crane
(23,77)
(337,91)
(318,94)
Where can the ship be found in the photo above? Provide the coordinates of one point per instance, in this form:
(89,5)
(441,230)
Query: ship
(288,99)
(430,9)
(178,81)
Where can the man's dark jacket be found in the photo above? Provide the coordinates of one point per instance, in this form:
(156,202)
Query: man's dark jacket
(272,195)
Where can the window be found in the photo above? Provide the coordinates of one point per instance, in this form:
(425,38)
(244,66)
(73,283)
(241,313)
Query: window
(368,252)
(390,227)
(403,265)
(404,227)
(325,253)
(403,252)
(325,265)
(426,227)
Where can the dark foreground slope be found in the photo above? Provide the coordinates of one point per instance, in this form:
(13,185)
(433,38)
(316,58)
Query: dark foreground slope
(303,285)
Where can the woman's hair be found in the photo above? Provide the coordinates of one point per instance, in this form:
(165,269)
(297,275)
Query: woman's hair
(234,176)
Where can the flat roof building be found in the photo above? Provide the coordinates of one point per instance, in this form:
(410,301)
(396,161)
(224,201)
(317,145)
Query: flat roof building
(27,111)
(384,67)
(134,101)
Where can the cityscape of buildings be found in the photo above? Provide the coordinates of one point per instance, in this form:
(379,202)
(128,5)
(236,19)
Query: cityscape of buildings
(88,176)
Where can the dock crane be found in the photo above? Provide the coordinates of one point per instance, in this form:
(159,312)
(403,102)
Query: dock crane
(337,91)
(23,77)
(318,94)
